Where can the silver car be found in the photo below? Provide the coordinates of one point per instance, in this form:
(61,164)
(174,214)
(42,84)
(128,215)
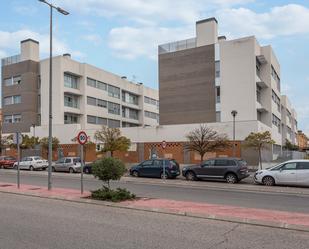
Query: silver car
(67,164)
(32,163)
(294,172)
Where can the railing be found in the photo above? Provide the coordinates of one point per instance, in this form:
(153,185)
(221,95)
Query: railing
(10,60)
(177,46)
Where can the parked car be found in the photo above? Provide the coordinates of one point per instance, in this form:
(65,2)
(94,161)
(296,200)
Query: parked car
(88,167)
(32,163)
(67,164)
(294,172)
(232,170)
(7,162)
(154,168)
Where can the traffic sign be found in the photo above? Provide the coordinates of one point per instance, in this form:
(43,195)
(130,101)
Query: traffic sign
(17,138)
(163,144)
(82,138)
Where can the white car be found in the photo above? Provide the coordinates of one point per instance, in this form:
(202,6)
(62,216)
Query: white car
(294,172)
(32,163)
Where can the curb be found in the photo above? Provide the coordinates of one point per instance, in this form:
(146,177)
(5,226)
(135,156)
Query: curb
(245,221)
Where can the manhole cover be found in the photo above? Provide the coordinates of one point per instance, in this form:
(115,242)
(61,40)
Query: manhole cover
(34,188)
(6,185)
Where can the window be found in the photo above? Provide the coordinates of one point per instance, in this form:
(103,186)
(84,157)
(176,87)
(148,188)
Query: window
(303,165)
(258,67)
(289,166)
(70,81)
(217,68)
(218,116)
(147,163)
(113,123)
(221,162)
(277,122)
(70,119)
(71,101)
(129,113)
(12,100)
(114,91)
(91,101)
(258,93)
(152,115)
(157,163)
(231,163)
(218,100)
(208,163)
(113,108)
(96,120)
(275,77)
(91,82)
(91,119)
(101,85)
(68,160)
(151,101)
(276,99)
(126,124)
(259,116)
(101,103)
(16,80)
(15,118)
(129,98)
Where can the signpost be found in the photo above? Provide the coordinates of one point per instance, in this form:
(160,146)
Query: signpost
(163,145)
(82,140)
(18,139)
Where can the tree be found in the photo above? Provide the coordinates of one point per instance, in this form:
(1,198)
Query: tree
(44,143)
(29,142)
(259,141)
(112,140)
(289,146)
(108,169)
(205,139)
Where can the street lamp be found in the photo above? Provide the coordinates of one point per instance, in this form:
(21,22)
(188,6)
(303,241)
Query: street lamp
(50,123)
(234,113)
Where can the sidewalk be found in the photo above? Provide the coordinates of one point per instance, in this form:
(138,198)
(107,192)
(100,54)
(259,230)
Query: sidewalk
(261,217)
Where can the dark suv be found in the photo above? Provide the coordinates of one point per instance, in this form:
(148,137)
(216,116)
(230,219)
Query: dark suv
(154,168)
(232,170)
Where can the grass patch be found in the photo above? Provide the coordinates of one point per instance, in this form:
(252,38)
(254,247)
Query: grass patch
(106,194)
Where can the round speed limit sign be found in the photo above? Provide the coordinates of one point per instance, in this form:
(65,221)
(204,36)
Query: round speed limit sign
(82,137)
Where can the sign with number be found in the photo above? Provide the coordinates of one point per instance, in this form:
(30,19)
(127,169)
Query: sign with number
(163,144)
(82,138)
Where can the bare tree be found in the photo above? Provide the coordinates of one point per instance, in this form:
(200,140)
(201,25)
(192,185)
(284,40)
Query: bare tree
(205,139)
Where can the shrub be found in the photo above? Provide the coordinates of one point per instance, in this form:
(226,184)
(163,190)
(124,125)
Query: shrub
(108,169)
(117,195)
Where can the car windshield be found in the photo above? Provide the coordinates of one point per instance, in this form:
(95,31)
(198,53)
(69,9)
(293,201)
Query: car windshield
(76,160)
(276,167)
(37,158)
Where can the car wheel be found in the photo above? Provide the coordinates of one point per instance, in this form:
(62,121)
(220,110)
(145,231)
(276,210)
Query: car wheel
(71,170)
(2,167)
(31,168)
(190,176)
(135,173)
(231,178)
(268,181)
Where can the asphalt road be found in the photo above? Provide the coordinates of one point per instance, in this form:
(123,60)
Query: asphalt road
(36,223)
(228,196)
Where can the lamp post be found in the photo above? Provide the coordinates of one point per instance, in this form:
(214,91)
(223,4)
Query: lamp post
(234,113)
(50,122)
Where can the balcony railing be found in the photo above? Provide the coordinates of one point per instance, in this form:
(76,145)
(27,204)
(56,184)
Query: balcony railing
(10,60)
(177,46)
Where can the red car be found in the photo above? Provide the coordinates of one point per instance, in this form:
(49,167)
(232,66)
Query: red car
(7,162)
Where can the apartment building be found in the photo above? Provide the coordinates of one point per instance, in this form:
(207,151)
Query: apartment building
(203,79)
(302,140)
(84,96)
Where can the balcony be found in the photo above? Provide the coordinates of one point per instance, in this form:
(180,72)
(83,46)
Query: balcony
(177,46)
(10,60)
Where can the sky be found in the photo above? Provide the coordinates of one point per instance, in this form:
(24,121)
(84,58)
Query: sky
(122,36)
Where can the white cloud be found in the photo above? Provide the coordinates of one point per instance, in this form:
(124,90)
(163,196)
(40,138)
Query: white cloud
(93,38)
(284,20)
(131,42)
(11,41)
(148,10)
